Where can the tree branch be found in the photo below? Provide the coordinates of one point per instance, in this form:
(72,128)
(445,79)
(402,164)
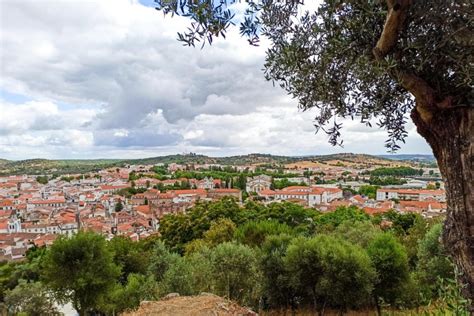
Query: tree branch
(425,95)
(421,90)
(397,12)
(418,87)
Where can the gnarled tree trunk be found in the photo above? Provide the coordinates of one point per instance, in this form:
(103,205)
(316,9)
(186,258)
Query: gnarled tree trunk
(449,128)
(450,133)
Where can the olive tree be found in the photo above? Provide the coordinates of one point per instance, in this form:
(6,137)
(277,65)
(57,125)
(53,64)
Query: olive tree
(372,60)
(235,272)
(332,272)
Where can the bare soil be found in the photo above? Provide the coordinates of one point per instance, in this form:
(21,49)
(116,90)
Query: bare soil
(201,305)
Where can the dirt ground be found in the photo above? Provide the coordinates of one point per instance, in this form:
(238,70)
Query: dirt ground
(213,305)
(201,305)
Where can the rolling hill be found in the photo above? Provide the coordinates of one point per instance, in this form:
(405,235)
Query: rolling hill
(45,166)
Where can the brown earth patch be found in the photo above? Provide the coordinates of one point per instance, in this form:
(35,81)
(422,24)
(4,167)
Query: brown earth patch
(201,305)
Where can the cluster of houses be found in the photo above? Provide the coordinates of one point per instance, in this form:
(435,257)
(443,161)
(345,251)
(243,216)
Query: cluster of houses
(34,214)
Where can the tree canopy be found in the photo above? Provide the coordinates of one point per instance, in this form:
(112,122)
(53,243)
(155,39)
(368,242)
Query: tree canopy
(80,270)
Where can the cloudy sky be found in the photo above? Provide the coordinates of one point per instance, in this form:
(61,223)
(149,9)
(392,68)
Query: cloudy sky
(107,79)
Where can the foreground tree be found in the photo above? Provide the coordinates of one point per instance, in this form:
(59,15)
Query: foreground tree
(433,265)
(373,60)
(391,263)
(128,256)
(80,270)
(330,272)
(277,291)
(234,272)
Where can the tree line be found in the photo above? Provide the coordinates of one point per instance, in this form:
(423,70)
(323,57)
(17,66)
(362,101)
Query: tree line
(396,172)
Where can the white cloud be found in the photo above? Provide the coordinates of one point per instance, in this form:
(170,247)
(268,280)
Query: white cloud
(40,115)
(124,55)
(132,90)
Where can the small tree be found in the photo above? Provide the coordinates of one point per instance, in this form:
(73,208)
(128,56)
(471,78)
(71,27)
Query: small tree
(220,231)
(201,270)
(359,233)
(234,272)
(31,299)
(80,269)
(329,271)
(128,256)
(391,263)
(433,262)
(129,295)
(177,278)
(42,179)
(119,206)
(276,286)
(253,233)
(160,260)
(348,274)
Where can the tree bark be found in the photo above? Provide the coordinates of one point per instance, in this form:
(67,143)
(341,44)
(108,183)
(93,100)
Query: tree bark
(377,305)
(450,133)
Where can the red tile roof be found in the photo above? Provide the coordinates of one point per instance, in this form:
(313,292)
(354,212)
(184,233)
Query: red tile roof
(374,210)
(225,190)
(191,192)
(414,191)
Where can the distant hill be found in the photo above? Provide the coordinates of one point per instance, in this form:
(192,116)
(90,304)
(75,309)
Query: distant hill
(413,157)
(67,166)
(45,166)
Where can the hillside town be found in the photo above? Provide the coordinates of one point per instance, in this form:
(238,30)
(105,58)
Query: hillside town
(131,200)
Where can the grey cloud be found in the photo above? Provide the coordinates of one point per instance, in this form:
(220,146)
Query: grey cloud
(135,138)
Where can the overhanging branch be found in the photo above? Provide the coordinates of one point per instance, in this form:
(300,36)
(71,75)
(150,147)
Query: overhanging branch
(425,95)
(397,12)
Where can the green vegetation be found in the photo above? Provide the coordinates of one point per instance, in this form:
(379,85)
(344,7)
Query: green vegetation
(178,230)
(178,185)
(396,172)
(128,192)
(390,260)
(42,179)
(278,256)
(283,183)
(369,191)
(29,299)
(119,206)
(80,270)
(44,166)
(330,271)
(67,178)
